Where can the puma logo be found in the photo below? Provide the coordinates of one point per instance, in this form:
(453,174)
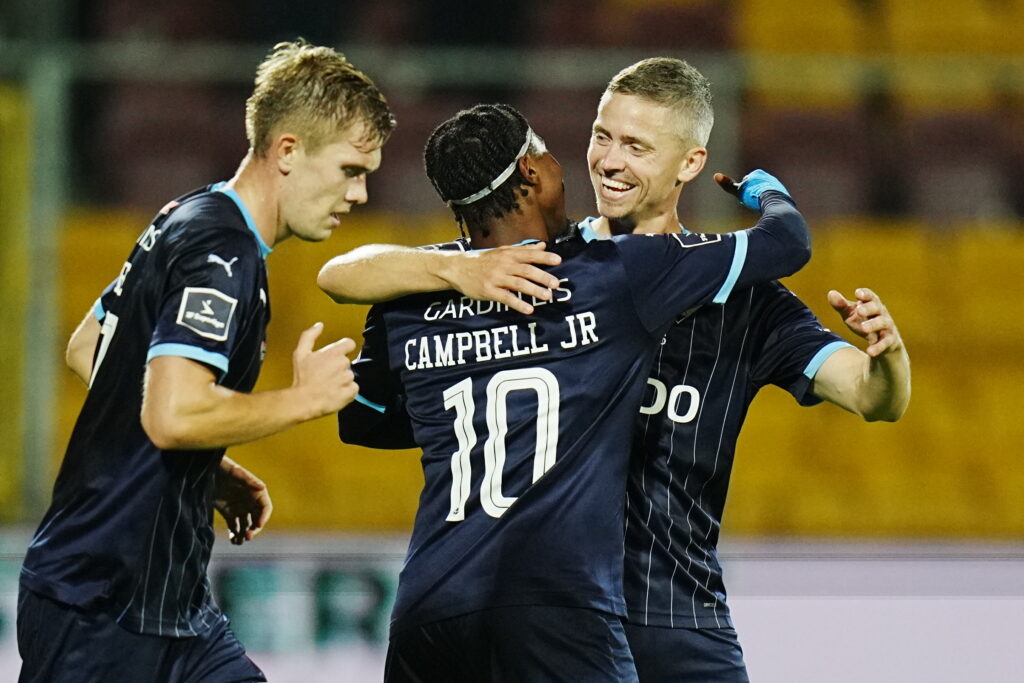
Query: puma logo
(213,258)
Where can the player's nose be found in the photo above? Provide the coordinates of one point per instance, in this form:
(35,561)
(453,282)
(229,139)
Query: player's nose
(355,192)
(612,159)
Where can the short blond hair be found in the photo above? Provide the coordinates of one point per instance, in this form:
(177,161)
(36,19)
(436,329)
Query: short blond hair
(316,92)
(671,83)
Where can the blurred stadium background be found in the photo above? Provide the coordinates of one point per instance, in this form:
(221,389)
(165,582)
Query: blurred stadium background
(853,552)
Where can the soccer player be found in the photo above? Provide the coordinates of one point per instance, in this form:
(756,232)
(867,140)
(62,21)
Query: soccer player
(114,585)
(647,142)
(653,119)
(514,570)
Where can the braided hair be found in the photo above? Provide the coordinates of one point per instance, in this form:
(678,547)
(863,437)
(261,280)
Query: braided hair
(468,151)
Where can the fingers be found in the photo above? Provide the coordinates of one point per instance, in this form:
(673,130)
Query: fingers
(881,342)
(266,511)
(308,338)
(523,262)
(728,184)
(325,380)
(504,296)
(343,346)
(867,317)
(537,253)
(840,303)
(527,280)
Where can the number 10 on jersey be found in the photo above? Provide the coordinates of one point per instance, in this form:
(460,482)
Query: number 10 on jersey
(459,397)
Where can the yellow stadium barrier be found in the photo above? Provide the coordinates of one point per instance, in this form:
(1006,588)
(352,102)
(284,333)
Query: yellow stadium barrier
(947,469)
(15,133)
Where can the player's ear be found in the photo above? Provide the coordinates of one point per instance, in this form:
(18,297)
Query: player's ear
(528,169)
(692,164)
(284,149)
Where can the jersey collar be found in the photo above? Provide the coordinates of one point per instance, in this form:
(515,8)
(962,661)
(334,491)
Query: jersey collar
(220,187)
(589,235)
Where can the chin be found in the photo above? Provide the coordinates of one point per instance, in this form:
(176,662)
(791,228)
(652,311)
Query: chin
(612,210)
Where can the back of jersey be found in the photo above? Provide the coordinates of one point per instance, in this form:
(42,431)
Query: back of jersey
(525,421)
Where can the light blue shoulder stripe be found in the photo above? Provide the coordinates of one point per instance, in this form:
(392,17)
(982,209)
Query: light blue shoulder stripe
(739,257)
(586,231)
(97,310)
(217,360)
(264,249)
(370,404)
(821,356)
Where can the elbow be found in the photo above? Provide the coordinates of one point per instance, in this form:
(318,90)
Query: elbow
(327,280)
(801,240)
(790,238)
(890,412)
(881,416)
(166,434)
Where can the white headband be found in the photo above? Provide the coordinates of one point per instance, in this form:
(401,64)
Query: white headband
(502,177)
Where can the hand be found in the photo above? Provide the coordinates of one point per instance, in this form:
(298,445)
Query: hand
(868,318)
(324,376)
(242,500)
(496,274)
(749,190)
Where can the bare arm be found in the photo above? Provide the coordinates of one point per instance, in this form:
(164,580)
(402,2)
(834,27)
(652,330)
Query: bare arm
(379,272)
(875,383)
(82,346)
(184,408)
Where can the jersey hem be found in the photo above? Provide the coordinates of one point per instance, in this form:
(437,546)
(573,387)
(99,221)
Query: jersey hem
(607,605)
(664,620)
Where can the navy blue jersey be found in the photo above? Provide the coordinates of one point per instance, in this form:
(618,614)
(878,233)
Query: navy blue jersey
(525,421)
(129,530)
(707,370)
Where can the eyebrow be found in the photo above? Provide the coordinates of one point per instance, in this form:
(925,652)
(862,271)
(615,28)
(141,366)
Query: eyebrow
(626,139)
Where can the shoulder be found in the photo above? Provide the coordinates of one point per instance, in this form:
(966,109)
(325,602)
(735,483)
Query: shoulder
(205,219)
(461,244)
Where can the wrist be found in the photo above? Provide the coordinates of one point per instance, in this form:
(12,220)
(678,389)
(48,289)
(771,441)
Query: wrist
(445,267)
(299,403)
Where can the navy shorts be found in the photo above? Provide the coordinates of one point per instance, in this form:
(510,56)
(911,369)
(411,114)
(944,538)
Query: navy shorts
(62,644)
(686,655)
(522,644)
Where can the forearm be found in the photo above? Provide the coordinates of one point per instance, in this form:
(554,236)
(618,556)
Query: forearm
(82,346)
(184,408)
(216,417)
(380,272)
(874,388)
(886,386)
(780,242)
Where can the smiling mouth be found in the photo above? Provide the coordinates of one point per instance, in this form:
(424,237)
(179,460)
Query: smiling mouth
(614,187)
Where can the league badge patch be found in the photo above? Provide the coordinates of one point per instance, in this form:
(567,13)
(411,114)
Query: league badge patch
(207,312)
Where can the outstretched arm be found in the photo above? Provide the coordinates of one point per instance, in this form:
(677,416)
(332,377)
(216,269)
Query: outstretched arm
(380,272)
(874,383)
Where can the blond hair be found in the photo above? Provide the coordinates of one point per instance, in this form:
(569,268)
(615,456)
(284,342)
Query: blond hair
(671,83)
(315,92)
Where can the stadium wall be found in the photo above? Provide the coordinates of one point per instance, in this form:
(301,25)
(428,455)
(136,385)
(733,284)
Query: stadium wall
(14,194)
(947,469)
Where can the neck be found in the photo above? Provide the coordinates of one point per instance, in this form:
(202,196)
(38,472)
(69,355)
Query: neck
(661,223)
(512,228)
(254,184)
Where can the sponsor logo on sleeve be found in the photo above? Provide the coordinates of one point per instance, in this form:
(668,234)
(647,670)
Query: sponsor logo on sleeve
(207,312)
(696,239)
